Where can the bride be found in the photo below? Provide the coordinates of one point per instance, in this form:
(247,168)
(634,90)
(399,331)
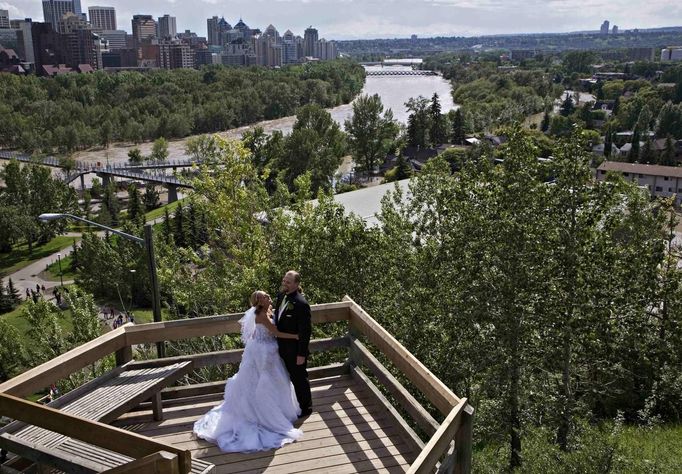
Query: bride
(259,405)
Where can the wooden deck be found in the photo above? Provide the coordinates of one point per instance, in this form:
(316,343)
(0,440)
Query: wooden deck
(349,431)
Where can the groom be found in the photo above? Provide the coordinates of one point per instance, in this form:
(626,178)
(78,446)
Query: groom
(292,315)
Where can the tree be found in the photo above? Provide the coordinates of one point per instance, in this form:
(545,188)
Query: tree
(105,133)
(167,229)
(669,121)
(135,156)
(567,106)
(644,119)
(608,141)
(546,120)
(151,197)
(111,203)
(12,352)
(418,122)
(370,135)
(633,154)
(648,154)
(135,205)
(438,130)
(668,155)
(316,145)
(179,232)
(159,150)
(13,294)
(458,130)
(97,189)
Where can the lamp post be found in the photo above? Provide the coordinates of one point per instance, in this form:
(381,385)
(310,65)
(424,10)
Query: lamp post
(59,263)
(132,282)
(147,242)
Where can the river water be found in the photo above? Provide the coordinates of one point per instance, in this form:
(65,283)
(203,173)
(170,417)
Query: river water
(393,90)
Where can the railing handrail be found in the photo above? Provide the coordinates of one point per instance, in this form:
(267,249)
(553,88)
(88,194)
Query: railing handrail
(93,432)
(128,335)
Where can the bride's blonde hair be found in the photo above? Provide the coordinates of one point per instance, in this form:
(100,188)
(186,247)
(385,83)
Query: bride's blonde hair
(255,296)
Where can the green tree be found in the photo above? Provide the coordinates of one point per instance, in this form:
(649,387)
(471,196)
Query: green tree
(668,155)
(135,205)
(567,106)
(371,135)
(458,128)
(105,133)
(633,154)
(546,120)
(12,352)
(97,189)
(151,197)
(648,154)
(316,145)
(608,141)
(159,150)
(111,203)
(135,156)
(418,122)
(438,130)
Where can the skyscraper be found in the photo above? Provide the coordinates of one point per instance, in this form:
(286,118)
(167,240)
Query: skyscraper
(309,39)
(212,31)
(614,30)
(289,48)
(54,10)
(4,19)
(102,18)
(24,39)
(167,26)
(144,28)
(605,27)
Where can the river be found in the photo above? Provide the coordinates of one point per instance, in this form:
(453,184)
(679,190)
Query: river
(393,90)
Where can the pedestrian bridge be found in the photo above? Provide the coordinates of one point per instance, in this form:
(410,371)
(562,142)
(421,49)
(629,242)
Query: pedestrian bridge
(107,424)
(401,72)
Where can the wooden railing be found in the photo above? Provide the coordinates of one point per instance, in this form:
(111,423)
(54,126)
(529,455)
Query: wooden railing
(448,449)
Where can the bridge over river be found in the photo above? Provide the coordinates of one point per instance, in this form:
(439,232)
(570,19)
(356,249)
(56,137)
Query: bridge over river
(400,72)
(138,172)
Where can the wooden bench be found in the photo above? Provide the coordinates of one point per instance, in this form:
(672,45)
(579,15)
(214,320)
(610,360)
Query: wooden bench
(103,399)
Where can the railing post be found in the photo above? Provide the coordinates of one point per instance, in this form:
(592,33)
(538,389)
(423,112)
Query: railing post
(464,442)
(124,355)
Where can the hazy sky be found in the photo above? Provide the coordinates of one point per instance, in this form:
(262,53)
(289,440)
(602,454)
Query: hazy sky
(350,19)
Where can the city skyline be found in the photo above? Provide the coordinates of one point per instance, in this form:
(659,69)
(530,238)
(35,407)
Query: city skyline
(393,18)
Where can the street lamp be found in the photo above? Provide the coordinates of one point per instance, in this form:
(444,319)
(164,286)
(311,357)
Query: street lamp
(59,262)
(132,283)
(147,242)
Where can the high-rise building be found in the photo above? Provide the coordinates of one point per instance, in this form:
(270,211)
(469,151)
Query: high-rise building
(4,19)
(116,39)
(605,27)
(212,31)
(24,39)
(54,10)
(77,7)
(144,28)
(174,54)
(79,45)
(614,30)
(309,39)
(47,49)
(289,48)
(167,27)
(102,18)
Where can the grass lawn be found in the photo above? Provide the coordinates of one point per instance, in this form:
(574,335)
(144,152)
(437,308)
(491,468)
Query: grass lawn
(52,272)
(21,323)
(159,212)
(19,257)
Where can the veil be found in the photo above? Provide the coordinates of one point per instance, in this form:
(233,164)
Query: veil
(248,323)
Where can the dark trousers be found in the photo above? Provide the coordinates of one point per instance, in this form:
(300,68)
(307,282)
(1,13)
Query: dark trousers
(297,373)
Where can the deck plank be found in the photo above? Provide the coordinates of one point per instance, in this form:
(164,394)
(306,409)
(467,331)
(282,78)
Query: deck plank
(349,431)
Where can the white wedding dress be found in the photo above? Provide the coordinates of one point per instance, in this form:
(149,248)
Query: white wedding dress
(259,406)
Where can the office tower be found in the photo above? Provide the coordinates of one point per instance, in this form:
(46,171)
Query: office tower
(4,19)
(167,27)
(615,29)
(174,54)
(47,49)
(116,39)
(102,18)
(212,31)
(605,27)
(309,39)
(77,7)
(24,39)
(54,10)
(144,28)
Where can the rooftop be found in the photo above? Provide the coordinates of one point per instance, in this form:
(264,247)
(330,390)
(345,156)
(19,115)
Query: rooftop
(650,170)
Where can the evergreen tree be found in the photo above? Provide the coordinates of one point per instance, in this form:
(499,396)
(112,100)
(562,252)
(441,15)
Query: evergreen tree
(159,150)
(668,156)
(5,302)
(179,233)
(608,142)
(192,226)
(111,202)
(633,154)
(616,106)
(151,197)
(135,207)
(135,156)
(13,294)
(418,122)
(669,121)
(648,154)
(458,131)
(567,106)
(546,120)
(403,169)
(586,115)
(438,130)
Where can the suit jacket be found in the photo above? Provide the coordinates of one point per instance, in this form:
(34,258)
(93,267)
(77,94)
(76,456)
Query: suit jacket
(295,319)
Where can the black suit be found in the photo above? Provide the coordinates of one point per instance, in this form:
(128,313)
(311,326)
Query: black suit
(295,319)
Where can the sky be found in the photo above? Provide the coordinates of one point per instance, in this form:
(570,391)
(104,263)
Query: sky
(367,19)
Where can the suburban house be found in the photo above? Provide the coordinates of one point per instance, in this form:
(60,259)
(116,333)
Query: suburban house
(661,181)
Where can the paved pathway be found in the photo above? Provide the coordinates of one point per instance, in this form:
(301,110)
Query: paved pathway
(28,277)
